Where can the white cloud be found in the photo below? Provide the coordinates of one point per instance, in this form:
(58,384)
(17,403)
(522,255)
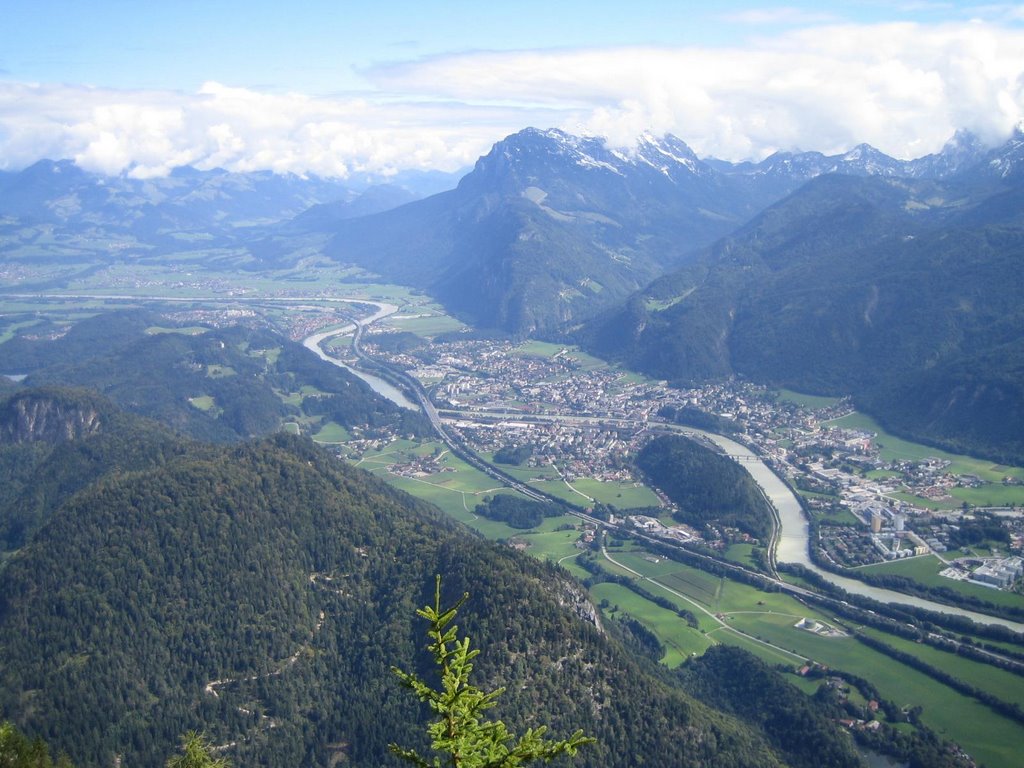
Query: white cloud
(902,87)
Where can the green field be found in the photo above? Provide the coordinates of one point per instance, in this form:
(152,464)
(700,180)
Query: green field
(620,495)
(457,490)
(547,350)
(1004,685)
(202,402)
(427,323)
(991,738)
(332,432)
(990,495)
(741,553)
(679,639)
(811,402)
(925,570)
(192,330)
(892,448)
(8,331)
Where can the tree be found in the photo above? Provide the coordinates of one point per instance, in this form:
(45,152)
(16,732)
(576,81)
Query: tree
(17,751)
(460,730)
(195,754)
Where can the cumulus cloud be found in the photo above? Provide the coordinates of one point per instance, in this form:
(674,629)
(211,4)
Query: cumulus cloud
(148,133)
(905,88)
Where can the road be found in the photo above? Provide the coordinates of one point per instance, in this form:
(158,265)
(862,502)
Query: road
(714,617)
(792,541)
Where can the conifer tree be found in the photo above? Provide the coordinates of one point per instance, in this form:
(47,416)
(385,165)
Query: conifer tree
(461,731)
(195,753)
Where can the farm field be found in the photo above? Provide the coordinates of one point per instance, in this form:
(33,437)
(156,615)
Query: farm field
(425,321)
(893,448)
(990,737)
(679,639)
(925,570)
(813,402)
(332,432)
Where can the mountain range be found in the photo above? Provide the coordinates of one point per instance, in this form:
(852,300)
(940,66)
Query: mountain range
(854,273)
(902,292)
(548,228)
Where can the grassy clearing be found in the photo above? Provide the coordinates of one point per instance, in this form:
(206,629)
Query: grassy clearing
(925,570)
(457,489)
(540,349)
(812,402)
(990,495)
(742,554)
(554,545)
(621,495)
(679,639)
(842,517)
(220,371)
(426,324)
(881,474)
(332,432)
(9,331)
(547,350)
(203,403)
(1006,686)
(938,505)
(657,305)
(192,330)
(892,448)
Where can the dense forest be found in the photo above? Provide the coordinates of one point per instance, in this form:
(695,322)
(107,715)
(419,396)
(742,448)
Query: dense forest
(708,488)
(518,512)
(262,591)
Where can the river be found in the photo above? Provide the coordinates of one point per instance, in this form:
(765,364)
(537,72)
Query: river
(794,539)
(376,383)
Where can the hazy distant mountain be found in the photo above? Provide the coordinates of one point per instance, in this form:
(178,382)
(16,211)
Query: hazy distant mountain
(904,292)
(57,211)
(550,228)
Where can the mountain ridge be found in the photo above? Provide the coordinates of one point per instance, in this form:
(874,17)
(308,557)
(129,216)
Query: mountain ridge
(877,287)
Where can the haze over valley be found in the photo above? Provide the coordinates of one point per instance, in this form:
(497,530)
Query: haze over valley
(694,357)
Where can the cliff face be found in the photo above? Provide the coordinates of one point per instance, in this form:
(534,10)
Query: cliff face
(50,416)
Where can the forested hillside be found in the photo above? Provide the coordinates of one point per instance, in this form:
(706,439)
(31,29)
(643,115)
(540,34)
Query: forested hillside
(55,442)
(902,293)
(707,487)
(219,384)
(261,592)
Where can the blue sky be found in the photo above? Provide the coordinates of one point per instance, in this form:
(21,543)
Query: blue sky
(341,87)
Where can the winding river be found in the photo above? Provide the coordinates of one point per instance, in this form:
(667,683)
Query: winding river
(376,383)
(794,539)
(792,545)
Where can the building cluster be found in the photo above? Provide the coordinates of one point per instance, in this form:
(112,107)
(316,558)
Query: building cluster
(999,573)
(588,420)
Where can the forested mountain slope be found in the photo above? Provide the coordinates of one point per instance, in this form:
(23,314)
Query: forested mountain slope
(218,384)
(261,592)
(904,293)
(548,227)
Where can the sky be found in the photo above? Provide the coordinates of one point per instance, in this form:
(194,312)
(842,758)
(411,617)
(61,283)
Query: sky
(344,89)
